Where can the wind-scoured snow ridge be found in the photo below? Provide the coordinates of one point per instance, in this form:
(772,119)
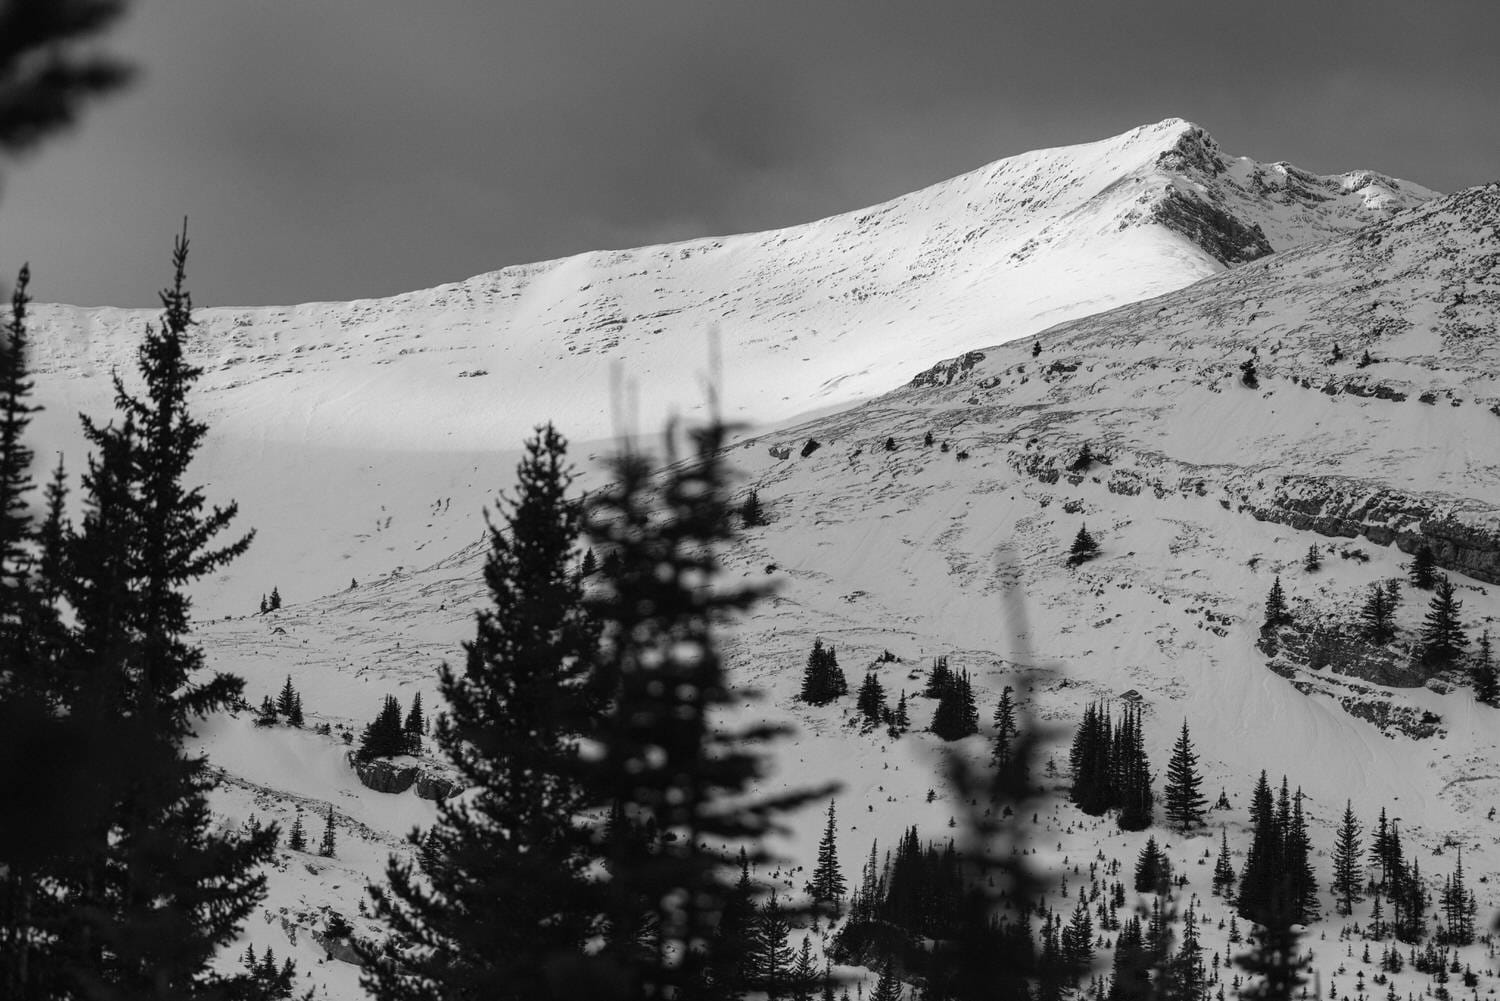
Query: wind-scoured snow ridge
(807,317)
(1377,402)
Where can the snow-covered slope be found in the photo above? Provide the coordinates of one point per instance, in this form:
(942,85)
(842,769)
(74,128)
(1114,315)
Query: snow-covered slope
(379,427)
(1204,490)
(807,317)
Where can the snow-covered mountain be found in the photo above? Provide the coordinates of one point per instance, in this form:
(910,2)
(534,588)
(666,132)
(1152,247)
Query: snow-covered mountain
(318,411)
(808,317)
(1202,489)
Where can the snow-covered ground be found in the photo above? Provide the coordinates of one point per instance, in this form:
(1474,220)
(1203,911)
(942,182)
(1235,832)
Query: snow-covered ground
(353,470)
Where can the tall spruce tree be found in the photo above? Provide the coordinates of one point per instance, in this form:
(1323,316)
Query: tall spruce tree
(823,680)
(1152,869)
(1005,729)
(1277,962)
(1302,884)
(1423,570)
(15,468)
(509,899)
(1276,609)
(1183,802)
(1348,862)
(415,726)
(297,840)
(938,679)
(956,716)
(828,886)
(329,845)
(1223,868)
(1260,879)
(1135,798)
(1482,673)
(871,700)
(659,748)
(286,699)
(158,890)
(1186,979)
(771,953)
(382,736)
(30,729)
(1377,615)
(1443,638)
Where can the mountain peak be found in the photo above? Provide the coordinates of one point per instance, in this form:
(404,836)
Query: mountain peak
(809,316)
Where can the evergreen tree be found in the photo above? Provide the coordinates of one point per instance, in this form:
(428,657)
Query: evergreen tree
(1380,848)
(1314,560)
(1184,804)
(770,951)
(15,465)
(510,894)
(823,679)
(275,602)
(659,749)
(1348,865)
(1458,907)
(1276,610)
(286,700)
(415,726)
(828,885)
(382,737)
(871,700)
(266,714)
(1302,885)
(1093,790)
(295,717)
(1152,870)
(729,955)
(156,890)
(1223,868)
(956,716)
(1261,877)
(1276,961)
(327,846)
(1423,569)
(264,608)
(1377,615)
(752,515)
(939,678)
(803,979)
(590,565)
(1486,684)
(1135,798)
(1005,729)
(1186,979)
(887,987)
(298,840)
(1078,940)
(1084,547)
(1130,978)
(1443,638)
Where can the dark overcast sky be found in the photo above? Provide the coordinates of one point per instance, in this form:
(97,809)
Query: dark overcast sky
(334,149)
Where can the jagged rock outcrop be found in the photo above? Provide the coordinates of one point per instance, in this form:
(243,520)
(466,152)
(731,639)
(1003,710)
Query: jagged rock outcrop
(397,775)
